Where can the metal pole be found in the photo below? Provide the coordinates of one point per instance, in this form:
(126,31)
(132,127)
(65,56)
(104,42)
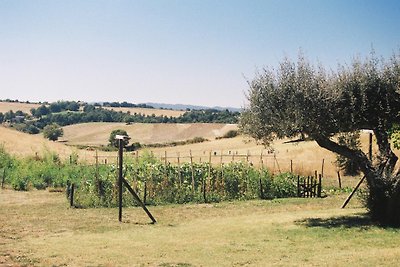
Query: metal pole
(120,161)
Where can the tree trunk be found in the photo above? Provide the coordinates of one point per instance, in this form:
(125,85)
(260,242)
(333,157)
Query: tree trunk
(383,201)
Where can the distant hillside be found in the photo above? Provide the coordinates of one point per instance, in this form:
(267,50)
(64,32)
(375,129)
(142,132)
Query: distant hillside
(15,106)
(184,107)
(63,113)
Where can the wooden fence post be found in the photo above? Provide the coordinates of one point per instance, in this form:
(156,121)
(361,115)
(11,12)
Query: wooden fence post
(291,166)
(277,163)
(339,179)
(97,166)
(209,178)
(322,167)
(179,171)
(314,188)
(71,195)
(319,185)
(298,186)
(191,167)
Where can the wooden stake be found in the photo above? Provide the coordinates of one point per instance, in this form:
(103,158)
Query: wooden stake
(291,166)
(136,197)
(352,193)
(339,179)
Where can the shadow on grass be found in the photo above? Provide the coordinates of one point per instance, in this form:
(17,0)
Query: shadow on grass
(353,221)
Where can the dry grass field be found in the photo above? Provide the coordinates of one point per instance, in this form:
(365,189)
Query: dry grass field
(97,133)
(39,229)
(24,107)
(149,111)
(25,145)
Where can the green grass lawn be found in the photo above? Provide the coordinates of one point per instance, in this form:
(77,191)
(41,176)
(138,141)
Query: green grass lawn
(37,228)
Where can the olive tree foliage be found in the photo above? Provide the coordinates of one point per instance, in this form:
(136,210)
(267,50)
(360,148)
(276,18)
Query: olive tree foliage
(300,98)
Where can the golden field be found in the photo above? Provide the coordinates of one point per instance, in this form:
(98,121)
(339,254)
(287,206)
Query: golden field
(14,106)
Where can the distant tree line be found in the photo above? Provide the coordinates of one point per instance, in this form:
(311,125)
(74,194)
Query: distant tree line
(124,105)
(65,113)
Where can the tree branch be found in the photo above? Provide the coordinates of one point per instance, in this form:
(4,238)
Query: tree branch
(356,155)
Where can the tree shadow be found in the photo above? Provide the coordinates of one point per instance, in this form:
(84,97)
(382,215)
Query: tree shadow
(350,221)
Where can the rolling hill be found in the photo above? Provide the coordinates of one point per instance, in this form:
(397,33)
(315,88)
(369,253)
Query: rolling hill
(97,133)
(26,145)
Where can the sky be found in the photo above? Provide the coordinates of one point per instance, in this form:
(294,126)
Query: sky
(197,52)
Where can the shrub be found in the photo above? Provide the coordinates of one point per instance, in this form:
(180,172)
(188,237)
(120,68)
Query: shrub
(229,134)
(284,185)
(52,132)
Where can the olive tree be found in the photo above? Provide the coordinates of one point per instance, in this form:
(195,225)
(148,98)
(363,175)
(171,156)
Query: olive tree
(113,142)
(52,132)
(300,98)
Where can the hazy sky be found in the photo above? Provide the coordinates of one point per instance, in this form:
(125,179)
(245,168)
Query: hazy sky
(192,52)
